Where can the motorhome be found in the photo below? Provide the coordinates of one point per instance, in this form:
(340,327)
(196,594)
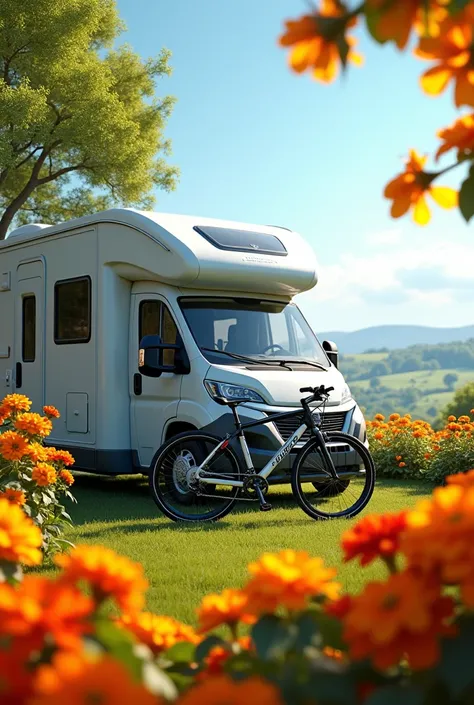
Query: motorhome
(77,298)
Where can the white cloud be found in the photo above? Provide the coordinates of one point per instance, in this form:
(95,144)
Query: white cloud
(384,237)
(408,280)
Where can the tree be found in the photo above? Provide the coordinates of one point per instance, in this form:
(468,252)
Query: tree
(379,369)
(462,403)
(321,42)
(73,106)
(450,380)
(374,383)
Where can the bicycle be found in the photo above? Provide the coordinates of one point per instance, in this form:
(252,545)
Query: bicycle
(187,486)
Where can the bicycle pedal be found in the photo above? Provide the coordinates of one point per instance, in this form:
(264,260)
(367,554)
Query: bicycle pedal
(265,507)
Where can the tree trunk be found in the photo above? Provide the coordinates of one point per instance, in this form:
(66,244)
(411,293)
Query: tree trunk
(11,210)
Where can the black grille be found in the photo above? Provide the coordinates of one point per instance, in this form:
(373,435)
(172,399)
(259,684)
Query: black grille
(331,422)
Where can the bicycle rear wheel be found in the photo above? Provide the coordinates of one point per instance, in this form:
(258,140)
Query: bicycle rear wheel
(333,498)
(172,478)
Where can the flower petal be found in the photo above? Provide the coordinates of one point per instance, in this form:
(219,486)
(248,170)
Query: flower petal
(400,206)
(435,80)
(444,196)
(464,91)
(421,213)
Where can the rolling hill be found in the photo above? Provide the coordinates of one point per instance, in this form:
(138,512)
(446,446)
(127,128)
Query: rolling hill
(394,337)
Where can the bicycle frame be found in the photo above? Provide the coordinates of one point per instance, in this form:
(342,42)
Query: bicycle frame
(276,459)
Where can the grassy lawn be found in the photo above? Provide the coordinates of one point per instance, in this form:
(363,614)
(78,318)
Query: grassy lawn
(184,562)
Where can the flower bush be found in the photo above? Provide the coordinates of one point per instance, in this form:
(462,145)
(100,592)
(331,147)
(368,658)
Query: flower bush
(402,447)
(289,636)
(32,476)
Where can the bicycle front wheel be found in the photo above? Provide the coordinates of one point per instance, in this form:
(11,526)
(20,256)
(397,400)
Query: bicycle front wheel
(321,495)
(172,478)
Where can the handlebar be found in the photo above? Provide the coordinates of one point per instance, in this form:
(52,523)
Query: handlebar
(317,393)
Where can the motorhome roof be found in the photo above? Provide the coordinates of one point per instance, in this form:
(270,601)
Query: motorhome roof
(201,252)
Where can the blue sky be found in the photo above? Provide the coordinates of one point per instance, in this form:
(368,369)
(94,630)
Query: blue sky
(257,143)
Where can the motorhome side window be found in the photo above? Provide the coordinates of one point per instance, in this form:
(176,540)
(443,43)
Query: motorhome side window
(72,311)
(155,319)
(29,329)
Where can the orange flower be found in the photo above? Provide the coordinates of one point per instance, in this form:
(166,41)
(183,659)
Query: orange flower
(394,417)
(440,537)
(41,609)
(51,412)
(215,661)
(109,575)
(37,452)
(334,654)
(60,456)
(222,689)
(66,477)
(289,578)
(459,136)
(44,474)
(407,191)
(378,436)
(20,538)
(14,403)
(15,677)
(453,427)
(464,419)
(402,617)
(33,424)
(373,536)
(452,418)
(14,496)
(398,458)
(157,632)
(427,456)
(463,479)
(452,50)
(228,607)
(402,465)
(396,20)
(379,417)
(316,38)
(83,680)
(12,445)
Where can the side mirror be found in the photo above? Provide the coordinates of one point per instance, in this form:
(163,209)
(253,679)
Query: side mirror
(331,351)
(151,357)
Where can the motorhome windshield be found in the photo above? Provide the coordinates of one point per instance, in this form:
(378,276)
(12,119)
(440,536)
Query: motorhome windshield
(261,330)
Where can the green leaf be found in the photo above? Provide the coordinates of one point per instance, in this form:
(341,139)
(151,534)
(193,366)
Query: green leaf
(330,629)
(308,633)
(325,687)
(395,695)
(372,18)
(455,667)
(10,572)
(466,196)
(184,652)
(120,644)
(273,637)
(456,6)
(202,649)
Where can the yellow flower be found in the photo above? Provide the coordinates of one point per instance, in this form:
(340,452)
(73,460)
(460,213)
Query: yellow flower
(37,452)
(51,412)
(44,474)
(13,446)
(108,573)
(20,538)
(157,632)
(289,578)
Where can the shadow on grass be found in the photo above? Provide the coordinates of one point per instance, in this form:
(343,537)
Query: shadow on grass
(124,504)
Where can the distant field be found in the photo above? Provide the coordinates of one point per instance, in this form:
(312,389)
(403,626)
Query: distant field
(423,379)
(367,357)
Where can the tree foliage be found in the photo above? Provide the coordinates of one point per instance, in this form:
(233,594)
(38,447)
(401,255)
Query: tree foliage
(71,104)
(462,403)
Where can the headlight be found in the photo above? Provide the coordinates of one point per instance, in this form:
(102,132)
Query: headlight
(346,394)
(232,391)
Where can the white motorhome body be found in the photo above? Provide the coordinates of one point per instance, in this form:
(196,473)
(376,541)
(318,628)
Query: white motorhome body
(76,298)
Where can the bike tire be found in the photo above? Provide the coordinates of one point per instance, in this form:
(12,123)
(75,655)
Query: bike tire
(297,472)
(156,476)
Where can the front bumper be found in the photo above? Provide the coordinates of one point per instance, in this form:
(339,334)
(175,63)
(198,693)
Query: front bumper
(265,440)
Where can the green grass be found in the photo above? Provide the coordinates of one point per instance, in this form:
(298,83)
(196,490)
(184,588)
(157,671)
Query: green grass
(184,562)
(367,357)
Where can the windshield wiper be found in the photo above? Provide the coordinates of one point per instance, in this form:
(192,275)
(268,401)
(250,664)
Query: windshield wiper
(306,362)
(252,360)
